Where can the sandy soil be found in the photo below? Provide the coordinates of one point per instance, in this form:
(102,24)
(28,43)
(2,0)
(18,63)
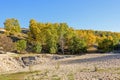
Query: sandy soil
(84,67)
(68,67)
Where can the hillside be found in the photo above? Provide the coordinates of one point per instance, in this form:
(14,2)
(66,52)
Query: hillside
(56,38)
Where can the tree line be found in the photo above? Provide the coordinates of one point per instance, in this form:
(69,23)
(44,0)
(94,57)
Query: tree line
(54,38)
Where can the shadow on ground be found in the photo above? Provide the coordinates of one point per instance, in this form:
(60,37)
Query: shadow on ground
(94,59)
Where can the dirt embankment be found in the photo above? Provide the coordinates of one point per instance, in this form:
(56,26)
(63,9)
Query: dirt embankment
(12,63)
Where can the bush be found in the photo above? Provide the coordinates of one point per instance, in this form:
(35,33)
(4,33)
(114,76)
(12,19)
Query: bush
(77,45)
(52,45)
(37,47)
(21,45)
(6,43)
(105,45)
(52,50)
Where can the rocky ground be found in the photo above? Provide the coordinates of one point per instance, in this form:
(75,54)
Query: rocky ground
(84,67)
(66,67)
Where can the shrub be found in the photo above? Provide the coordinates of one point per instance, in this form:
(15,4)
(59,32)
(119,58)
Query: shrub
(105,45)
(37,47)
(21,45)
(77,45)
(6,43)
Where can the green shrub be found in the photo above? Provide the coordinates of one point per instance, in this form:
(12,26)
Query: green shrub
(37,47)
(105,45)
(21,45)
(77,45)
(70,76)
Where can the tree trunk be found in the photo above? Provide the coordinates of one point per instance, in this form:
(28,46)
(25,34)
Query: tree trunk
(62,44)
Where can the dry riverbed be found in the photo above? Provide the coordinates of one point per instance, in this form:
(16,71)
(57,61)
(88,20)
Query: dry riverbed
(68,67)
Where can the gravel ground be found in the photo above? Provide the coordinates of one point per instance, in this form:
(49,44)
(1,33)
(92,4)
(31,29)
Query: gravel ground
(99,60)
(85,67)
(63,67)
(100,66)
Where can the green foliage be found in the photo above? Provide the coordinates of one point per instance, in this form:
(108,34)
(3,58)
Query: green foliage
(59,37)
(34,30)
(62,33)
(70,76)
(105,45)
(55,77)
(115,40)
(53,50)
(52,45)
(12,26)
(21,45)
(77,45)
(37,47)
(51,39)
(17,76)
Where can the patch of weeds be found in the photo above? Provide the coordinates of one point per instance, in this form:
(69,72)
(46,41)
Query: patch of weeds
(95,68)
(117,68)
(4,77)
(16,76)
(70,76)
(118,72)
(95,76)
(56,77)
(46,72)
(103,70)
(57,66)
(84,70)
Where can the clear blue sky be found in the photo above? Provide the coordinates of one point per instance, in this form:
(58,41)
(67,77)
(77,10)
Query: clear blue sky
(79,14)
